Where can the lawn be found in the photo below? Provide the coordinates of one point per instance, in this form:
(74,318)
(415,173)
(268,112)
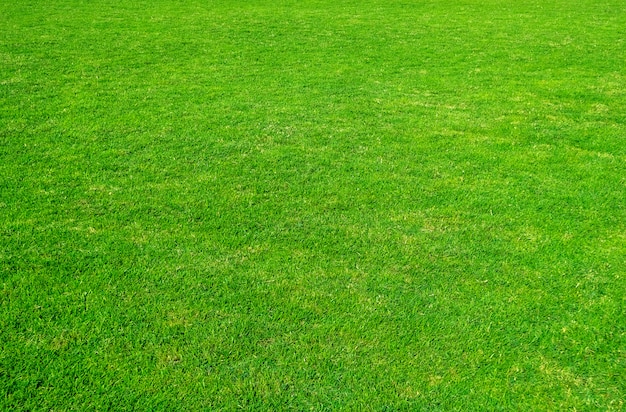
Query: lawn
(313,205)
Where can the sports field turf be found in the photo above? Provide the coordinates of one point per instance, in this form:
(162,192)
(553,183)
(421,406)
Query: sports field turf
(313,205)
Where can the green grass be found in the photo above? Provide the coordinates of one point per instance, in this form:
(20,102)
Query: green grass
(313,205)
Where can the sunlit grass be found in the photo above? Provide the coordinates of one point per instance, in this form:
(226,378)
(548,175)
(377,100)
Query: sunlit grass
(312,205)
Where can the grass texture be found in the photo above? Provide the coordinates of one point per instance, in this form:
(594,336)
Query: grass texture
(312,205)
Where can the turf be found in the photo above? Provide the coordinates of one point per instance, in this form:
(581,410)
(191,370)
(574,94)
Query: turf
(312,205)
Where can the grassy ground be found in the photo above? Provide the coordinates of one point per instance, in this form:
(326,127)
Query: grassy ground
(361,205)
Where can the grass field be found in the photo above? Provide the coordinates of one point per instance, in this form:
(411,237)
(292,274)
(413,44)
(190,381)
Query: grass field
(313,205)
